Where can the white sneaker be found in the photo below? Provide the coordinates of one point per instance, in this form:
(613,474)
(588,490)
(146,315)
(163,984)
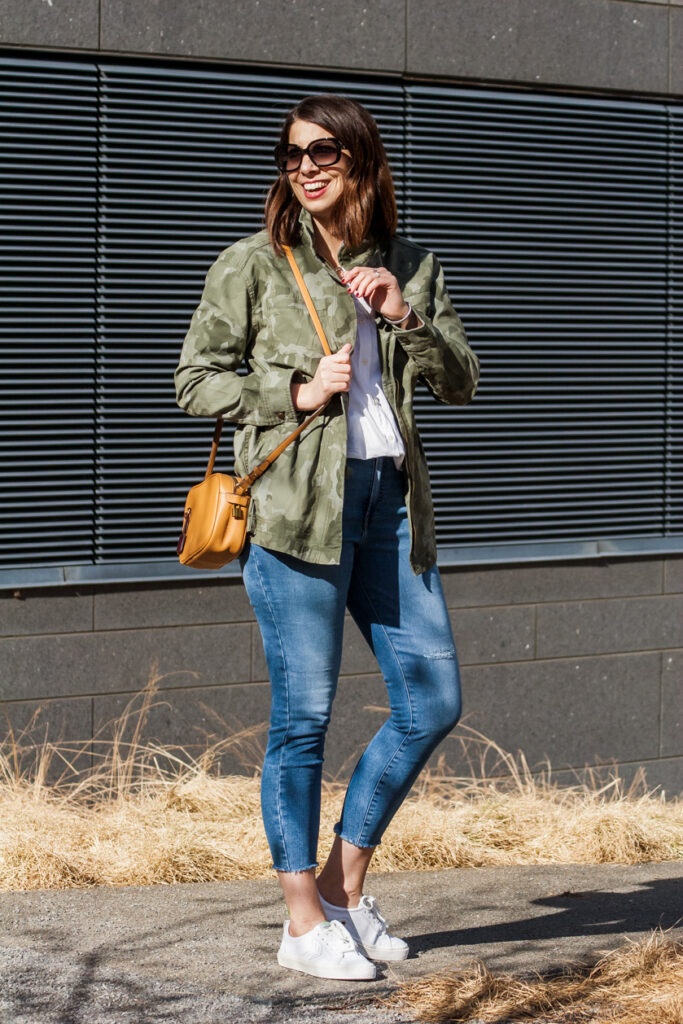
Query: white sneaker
(327,951)
(368,928)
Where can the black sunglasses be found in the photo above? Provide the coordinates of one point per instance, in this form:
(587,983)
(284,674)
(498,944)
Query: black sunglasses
(323,153)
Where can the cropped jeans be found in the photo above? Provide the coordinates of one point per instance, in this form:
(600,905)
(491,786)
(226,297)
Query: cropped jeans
(300,610)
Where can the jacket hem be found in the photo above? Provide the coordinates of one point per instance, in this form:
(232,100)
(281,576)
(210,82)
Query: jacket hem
(285,546)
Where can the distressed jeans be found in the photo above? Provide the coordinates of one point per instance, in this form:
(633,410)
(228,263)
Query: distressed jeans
(300,610)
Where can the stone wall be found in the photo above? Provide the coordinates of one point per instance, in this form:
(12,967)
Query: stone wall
(580,662)
(589,44)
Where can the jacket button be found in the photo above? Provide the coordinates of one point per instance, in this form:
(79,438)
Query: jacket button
(280,415)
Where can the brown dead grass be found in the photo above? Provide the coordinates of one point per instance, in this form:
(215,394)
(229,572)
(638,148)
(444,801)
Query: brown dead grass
(147,814)
(638,983)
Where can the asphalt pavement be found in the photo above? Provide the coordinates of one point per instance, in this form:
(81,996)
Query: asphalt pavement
(206,953)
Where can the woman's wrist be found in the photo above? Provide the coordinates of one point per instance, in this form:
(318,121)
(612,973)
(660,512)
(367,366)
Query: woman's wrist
(295,390)
(405,322)
(301,396)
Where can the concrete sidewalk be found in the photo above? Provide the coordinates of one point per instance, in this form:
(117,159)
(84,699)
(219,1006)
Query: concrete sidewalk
(205,953)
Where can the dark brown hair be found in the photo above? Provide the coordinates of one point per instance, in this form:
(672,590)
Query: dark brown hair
(367,208)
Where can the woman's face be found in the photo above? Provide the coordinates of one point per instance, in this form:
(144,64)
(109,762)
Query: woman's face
(318,189)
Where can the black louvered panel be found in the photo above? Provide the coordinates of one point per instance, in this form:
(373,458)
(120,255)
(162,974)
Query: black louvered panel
(550,218)
(186,164)
(48,157)
(674,446)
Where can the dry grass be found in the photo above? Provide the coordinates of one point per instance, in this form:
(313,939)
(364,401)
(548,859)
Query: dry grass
(146,814)
(638,983)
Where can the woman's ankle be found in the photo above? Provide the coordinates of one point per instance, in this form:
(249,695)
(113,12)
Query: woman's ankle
(340,881)
(339,897)
(301,925)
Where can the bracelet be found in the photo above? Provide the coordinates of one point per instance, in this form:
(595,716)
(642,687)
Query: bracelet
(410,310)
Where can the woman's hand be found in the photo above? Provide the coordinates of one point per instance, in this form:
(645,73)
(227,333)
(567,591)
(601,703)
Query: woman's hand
(332,375)
(379,287)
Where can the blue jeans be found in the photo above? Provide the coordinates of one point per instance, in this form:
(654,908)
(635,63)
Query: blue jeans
(300,611)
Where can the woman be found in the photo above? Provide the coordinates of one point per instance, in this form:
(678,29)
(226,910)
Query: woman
(343,519)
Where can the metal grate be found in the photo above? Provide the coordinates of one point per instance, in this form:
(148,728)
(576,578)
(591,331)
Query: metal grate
(550,216)
(48,163)
(559,223)
(674,437)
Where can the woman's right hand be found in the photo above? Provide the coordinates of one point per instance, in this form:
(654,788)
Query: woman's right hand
(332,375)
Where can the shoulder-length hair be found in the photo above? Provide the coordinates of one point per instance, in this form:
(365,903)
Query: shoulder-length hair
(367,207)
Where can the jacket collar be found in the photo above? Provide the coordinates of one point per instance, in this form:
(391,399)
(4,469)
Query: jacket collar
(366,254)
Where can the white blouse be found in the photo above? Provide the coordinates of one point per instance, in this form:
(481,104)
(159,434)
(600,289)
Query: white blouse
(372,427)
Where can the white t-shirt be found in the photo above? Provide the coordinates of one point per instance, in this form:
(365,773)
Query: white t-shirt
(372,428)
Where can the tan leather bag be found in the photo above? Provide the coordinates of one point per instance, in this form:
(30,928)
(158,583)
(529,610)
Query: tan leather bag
(215,519)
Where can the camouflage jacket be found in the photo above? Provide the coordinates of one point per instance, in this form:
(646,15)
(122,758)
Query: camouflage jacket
(252,313)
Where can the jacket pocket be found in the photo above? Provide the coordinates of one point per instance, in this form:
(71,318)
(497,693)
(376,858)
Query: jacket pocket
(243,444)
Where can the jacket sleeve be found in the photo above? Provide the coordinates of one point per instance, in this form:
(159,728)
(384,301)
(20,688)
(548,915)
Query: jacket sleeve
(206,378)
(439,347)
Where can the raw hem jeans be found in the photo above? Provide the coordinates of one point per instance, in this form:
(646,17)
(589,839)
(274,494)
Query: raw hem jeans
(300,611)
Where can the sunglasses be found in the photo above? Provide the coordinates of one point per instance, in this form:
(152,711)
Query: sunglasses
(323,153)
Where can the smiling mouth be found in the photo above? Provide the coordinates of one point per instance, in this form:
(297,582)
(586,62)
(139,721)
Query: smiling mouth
(316,188)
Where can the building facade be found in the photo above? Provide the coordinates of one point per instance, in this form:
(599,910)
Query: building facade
(537,147)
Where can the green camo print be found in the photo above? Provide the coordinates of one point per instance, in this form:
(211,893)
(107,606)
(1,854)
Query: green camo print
(251,312)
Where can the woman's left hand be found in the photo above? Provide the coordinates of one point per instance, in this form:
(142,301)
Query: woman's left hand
(379,287)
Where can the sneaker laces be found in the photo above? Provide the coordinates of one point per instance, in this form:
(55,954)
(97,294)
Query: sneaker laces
(368,904)
(336,936)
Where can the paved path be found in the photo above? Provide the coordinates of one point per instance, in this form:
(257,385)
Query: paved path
(205,953)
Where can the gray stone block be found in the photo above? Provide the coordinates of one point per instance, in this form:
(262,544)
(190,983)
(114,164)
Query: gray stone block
(54,23)
(494,634)
(125,660)
(67,724)
(234,719)
(349,35)
(574,712)
(676,49)
(603,627)
(182,604)
(47,666)
(592,43)
(673,568)
(672,704)
(661,775)
(52,611)
(666,775)
(204,654)
(568,581)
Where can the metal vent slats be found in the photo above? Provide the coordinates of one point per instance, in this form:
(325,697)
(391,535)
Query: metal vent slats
(550,217)
(48,182)
(558,221)
(673,453)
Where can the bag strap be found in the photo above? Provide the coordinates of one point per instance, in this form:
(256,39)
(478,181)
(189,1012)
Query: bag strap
(245,483)
(307,299)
